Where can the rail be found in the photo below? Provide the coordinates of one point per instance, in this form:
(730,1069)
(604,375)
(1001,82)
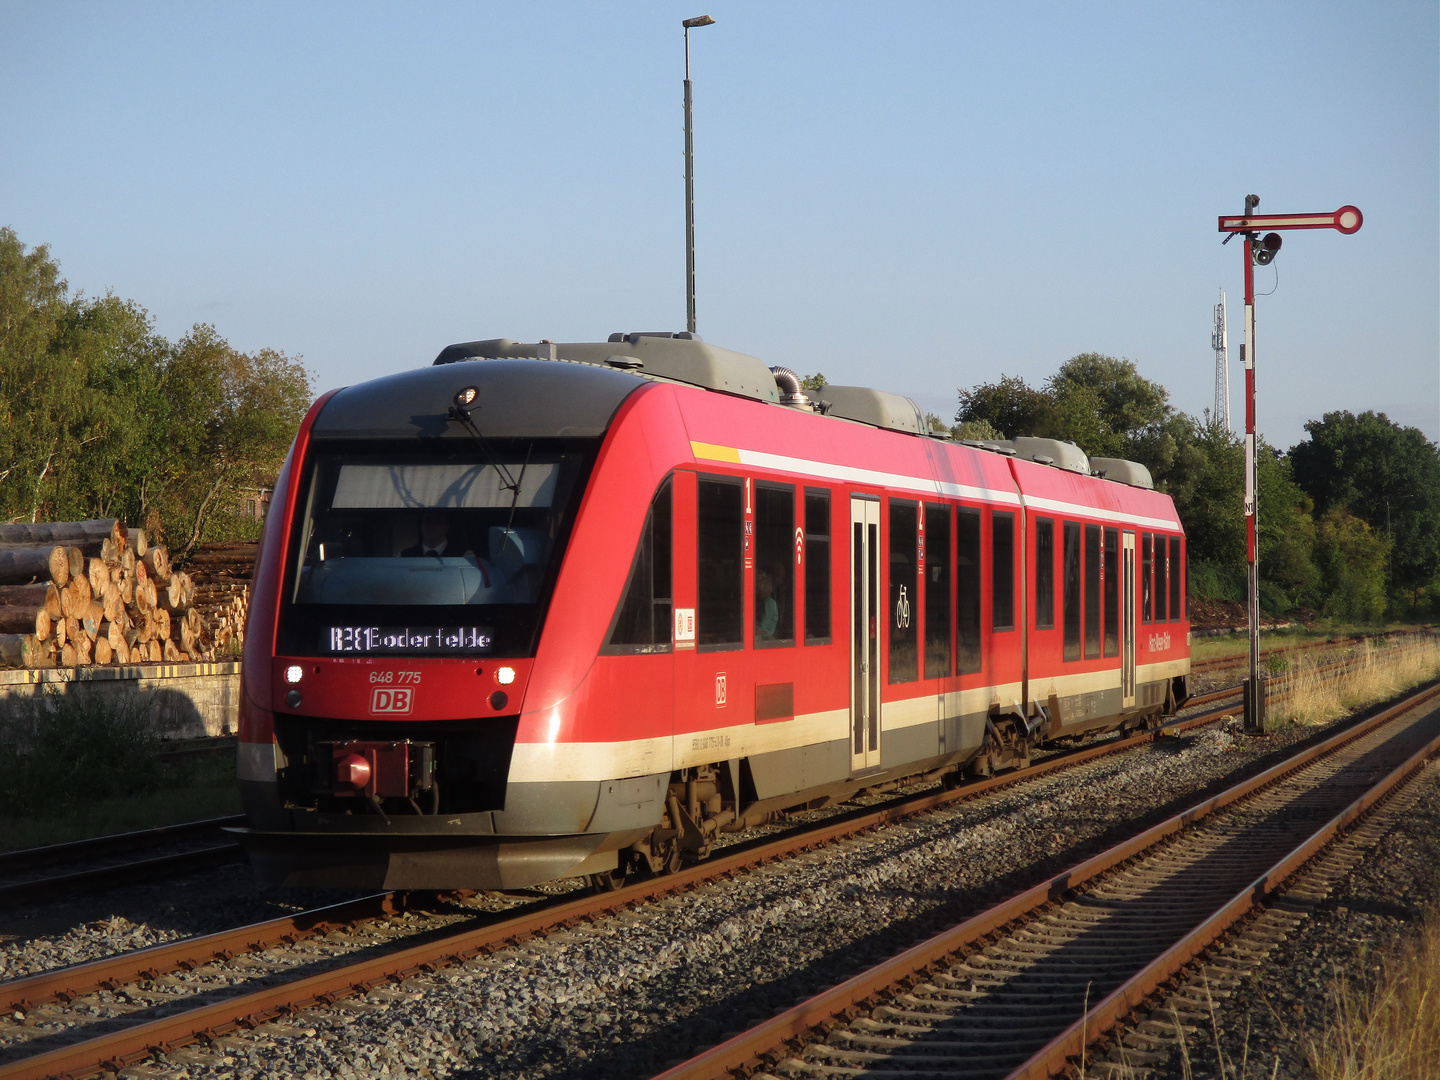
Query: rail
(28,860)
(825,1016)
(113,1050)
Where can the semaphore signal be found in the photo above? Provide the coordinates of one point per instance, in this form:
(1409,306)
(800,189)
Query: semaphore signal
(1261,251)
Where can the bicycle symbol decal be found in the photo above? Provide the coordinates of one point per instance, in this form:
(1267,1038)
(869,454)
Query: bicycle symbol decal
(902,610)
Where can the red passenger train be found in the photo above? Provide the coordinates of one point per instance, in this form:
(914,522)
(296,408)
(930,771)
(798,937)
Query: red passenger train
(540,611)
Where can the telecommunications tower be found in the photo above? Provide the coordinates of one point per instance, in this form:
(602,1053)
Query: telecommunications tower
(1221,344)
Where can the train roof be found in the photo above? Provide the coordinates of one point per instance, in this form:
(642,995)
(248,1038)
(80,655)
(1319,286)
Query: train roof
(578,392)
(541,401)
(679,357)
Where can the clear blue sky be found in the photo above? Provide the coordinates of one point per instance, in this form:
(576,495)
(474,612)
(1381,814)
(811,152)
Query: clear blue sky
(916,197)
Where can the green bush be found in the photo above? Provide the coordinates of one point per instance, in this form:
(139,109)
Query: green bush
(231,525)
(63,750)
(1273,599)
(1212,581)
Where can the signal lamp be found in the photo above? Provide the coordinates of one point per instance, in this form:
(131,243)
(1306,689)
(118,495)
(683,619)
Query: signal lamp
(465,396)
(505,676)
(294,673)
(1267,248)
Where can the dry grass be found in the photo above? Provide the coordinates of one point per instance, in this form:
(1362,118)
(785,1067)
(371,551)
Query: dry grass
(1238,645)
(1391,1030)
(1210,648)
(1374,673)
(1386,1030)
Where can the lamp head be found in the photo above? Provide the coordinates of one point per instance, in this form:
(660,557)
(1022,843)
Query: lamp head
(464,399)
(1266,248)
(699,20)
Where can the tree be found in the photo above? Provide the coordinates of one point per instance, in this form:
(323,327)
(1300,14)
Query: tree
(1386,475)
(1109,409)
(1010,406)
(1351,558)
(33,301)
(976,431)
(1126,403)
(1100,403)
(233,415)
(1206,481)
(100,416)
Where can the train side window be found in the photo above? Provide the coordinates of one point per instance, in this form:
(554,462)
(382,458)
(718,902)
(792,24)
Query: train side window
(1174,578)
(1002,578)
(720,606)
(1070,609)
(904,545)
(967,589)
(1147,563)
(1186,560)
(1092,591)
(642,622)
(937,591)
(817,567)
(774,565)
(1044,574)
(1112,592)
(1162,589)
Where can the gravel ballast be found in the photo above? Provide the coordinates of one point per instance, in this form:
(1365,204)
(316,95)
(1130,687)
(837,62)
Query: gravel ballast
(1275,1018)
(656,984)
(624,997)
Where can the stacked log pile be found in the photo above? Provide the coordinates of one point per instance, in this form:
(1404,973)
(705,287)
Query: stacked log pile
(221,575)
(94,592)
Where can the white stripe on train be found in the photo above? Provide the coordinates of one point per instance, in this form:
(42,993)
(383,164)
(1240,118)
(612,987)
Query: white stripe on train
(930,485)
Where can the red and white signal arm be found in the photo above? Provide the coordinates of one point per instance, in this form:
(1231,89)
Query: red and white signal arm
(1347,219)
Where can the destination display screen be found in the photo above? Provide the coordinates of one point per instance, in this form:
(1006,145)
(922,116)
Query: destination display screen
(406,640)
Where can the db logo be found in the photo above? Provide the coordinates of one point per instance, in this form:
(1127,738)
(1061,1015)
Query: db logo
(720,691)
(392,699)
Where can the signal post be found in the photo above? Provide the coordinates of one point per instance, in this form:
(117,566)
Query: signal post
(1261,251)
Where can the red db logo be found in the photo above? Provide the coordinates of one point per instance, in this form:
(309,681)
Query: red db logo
(392,699)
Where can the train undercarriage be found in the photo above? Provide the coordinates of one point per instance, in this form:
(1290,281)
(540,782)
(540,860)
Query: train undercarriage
(428,806)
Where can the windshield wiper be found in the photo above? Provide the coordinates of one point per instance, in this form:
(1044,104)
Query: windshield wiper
(460,413)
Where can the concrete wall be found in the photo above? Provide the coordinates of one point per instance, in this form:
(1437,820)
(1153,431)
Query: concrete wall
(187,701)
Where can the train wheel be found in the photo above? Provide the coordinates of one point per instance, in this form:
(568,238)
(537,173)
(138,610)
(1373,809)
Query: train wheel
(672,860)
(608,881)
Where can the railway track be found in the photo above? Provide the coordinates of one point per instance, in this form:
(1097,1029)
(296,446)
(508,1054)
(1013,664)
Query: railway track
(32,874)
(24,880)
(199,748)
(1022,989)
(473,938)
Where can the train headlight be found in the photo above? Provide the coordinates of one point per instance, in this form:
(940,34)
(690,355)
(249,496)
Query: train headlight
(466,396)
(294,673)
(505,676)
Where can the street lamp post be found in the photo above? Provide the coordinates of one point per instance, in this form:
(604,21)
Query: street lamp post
(699,20)
(1389,540)
(1261,251)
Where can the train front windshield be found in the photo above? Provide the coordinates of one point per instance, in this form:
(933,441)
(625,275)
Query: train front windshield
(438,554)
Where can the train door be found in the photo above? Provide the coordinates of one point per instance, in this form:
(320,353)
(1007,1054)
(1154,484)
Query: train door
(1127,621)
(864,633)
